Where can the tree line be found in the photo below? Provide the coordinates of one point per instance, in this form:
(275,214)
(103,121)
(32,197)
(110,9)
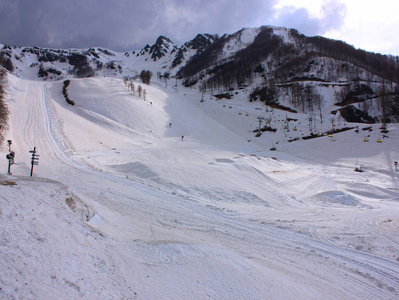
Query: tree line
(268,55)
(3,105)
(385,66)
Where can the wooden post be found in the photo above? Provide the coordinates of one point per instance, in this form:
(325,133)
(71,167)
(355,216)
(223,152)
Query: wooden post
(34,161)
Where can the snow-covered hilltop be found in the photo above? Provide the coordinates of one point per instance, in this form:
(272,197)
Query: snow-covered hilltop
(279,66)
(54,64)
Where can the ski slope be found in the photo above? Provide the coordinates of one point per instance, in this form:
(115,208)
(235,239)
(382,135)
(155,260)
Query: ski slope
(121,207)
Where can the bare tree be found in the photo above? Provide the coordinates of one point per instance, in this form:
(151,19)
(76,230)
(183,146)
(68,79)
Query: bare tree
(140,90)
(341,95)
(317,99)
(133,89)
(309,96)
(384,102)
(296,91)
(125,79)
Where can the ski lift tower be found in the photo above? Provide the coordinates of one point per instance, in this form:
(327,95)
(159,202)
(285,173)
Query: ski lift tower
(260,120)
(10,156)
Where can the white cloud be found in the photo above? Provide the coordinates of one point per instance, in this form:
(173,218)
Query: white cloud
(371,26)
(368,25)
(310,17)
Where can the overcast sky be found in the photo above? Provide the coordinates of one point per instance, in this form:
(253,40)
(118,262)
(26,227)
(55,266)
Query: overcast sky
(123,25)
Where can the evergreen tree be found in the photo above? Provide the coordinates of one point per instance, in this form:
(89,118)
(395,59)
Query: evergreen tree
(145,76)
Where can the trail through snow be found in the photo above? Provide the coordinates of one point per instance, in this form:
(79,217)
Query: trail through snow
(124,211)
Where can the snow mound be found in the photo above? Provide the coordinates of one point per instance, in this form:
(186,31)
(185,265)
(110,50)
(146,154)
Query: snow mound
(336,197)
(135,168)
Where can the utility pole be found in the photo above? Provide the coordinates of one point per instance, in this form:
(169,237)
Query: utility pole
(34,160)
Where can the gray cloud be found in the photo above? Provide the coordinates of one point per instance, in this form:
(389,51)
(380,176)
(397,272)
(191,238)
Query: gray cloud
(74,23)
(130,24)
(122,24)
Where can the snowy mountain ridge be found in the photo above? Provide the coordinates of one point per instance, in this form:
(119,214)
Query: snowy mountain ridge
(278,66)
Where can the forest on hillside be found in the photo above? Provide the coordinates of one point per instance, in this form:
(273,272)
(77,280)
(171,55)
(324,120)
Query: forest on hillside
(295,68)
(3,105)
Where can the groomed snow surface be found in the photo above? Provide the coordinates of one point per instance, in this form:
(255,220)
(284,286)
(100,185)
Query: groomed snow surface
(121,207)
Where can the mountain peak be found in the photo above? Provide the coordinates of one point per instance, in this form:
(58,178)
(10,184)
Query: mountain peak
(200,41)
(161,47)
(163,40)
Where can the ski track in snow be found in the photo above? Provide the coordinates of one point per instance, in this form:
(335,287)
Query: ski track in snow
(307,266)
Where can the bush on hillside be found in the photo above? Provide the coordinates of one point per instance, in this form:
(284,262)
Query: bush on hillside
(5,61)
(81,65)
(65,92)
(352,114)
(45,72)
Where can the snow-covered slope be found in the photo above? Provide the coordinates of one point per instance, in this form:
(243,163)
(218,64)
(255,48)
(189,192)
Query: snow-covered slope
(276,65)
(122,207)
